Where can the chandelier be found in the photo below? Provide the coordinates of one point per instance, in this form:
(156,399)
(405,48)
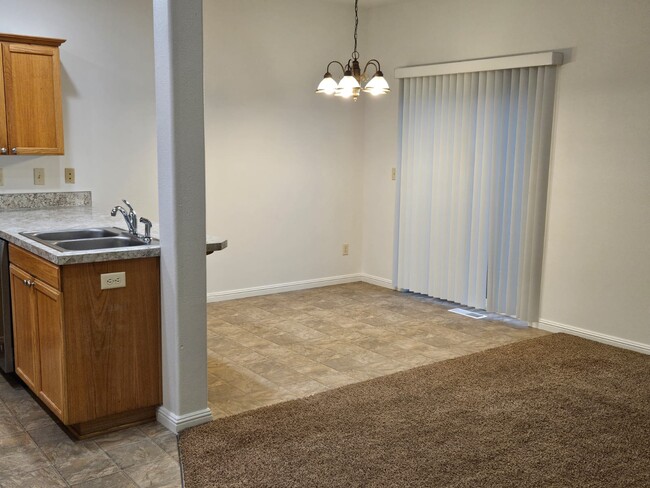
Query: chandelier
(353,78)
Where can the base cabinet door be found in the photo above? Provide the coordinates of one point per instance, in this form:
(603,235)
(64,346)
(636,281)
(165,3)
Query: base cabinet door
(26,347)
(50,339)
(38,338)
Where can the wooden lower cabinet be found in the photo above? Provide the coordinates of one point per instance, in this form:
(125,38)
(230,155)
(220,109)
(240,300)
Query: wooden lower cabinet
(92,356)
(50,342)
(26,348)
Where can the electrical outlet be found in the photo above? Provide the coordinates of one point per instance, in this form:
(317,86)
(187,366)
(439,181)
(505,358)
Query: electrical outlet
(2,178)
(39,176)
(346,249)
(69,175)
(393,174)
(113,280)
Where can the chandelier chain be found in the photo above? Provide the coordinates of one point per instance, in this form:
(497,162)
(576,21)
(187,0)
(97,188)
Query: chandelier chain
(355,53)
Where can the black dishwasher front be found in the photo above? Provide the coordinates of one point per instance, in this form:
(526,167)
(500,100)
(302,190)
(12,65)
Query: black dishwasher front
(6,333)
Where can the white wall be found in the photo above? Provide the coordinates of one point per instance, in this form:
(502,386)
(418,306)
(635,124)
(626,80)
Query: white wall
(108,99)
(291,176)
(283,164)
(597,257)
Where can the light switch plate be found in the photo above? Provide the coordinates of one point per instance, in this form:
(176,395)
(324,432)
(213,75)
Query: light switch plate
(393,174)
(39,176)
(2,177)
(113,280)
(69,175)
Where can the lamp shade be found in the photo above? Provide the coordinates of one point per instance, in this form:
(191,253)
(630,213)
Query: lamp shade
(327,86)
(348,86)
(348,82)
(377,85)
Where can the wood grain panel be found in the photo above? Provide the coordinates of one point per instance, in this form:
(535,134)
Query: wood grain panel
(43,41)
(23,306)
(118,421)
(38,267)
(50,338)
(112,339)
(33,98)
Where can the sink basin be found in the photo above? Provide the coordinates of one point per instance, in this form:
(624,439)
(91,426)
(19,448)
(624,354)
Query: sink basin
(65,235)
(100,243)
(90,239)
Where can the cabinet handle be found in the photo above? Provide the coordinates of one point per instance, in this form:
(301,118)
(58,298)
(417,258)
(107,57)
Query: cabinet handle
(14,151)
(3,150)
(28,282)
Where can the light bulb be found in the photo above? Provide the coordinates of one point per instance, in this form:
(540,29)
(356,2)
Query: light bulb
(377,85)
(327,86)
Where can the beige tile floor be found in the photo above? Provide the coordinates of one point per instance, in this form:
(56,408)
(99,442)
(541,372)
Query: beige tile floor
(36,453)
(268,349)
(261,351)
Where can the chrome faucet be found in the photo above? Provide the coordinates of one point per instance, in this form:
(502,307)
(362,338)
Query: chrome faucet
(147,229)
(130,217)
(126,218)
(131,220)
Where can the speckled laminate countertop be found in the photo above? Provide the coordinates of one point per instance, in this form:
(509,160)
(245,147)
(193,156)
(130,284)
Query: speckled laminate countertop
(13,222)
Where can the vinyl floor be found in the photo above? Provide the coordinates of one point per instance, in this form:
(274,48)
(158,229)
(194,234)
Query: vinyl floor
(261,351)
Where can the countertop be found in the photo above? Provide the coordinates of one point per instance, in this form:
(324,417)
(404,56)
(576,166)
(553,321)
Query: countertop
(13,222)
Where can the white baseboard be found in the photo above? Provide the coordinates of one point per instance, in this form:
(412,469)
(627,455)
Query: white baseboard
(176,423)
(376,280)
(220,296)
(552,326)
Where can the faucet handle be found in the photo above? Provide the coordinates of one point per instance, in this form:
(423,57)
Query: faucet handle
(147,228)
(128,204)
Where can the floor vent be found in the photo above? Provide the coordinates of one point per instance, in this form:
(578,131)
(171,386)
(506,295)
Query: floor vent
(468,313)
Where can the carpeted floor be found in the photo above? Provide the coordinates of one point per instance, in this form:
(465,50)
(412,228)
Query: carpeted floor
(547,412)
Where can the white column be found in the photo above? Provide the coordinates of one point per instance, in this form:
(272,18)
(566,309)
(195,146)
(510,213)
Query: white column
(178,44)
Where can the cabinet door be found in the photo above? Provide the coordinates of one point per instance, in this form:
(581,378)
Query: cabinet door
(26,347)
(32,99)
(50,338)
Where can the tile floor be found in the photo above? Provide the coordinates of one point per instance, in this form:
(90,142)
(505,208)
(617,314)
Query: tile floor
(261,351)
(36,453)
(268,349)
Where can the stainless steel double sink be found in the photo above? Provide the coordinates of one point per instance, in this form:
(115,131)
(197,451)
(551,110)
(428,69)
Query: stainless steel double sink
(88,239)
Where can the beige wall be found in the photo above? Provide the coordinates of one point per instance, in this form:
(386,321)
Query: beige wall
(597,255)
(291,176)
(282,168)
(108,99)
(283,171)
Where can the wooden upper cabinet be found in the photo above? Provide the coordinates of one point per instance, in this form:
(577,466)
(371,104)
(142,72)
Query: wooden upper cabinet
(31,118)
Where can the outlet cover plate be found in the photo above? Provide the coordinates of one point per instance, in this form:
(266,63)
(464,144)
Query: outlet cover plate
(39,176)
(69,175)
(113,280)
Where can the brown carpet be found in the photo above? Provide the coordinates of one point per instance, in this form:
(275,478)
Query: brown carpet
(547,412)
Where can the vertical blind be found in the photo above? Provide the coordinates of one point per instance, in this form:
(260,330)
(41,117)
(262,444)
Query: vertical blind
(475,151)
